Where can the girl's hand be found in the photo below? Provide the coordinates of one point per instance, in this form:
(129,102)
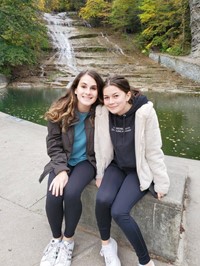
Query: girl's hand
(98,182)
(160,195)
(58,184)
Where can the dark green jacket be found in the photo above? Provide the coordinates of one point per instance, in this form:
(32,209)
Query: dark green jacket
(60,144)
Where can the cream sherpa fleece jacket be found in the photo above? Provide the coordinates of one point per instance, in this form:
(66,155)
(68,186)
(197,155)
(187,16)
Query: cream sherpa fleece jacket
(148,143)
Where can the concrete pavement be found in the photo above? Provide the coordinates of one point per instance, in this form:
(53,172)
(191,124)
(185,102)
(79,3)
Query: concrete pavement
(24,227)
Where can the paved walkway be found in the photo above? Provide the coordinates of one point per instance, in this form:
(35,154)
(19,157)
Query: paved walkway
(24,228)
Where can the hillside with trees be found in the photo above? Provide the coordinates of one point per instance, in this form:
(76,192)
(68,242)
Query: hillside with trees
(158,25)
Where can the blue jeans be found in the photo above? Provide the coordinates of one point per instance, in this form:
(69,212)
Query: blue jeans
(118,193)
(69,204)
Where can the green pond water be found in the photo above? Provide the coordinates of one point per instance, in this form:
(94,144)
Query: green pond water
(178,115)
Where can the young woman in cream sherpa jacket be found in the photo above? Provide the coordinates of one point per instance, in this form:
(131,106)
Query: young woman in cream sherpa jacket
(129,160)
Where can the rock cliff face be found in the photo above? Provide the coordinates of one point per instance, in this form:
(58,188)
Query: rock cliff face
(195,27)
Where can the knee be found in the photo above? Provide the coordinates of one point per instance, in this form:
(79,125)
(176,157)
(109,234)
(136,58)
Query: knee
(53,201)
(102,201)
(118,215)
(71,196)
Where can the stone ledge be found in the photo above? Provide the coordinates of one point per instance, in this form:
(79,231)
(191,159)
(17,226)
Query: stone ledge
(159,221)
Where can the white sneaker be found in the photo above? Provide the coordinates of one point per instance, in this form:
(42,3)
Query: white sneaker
(110,253)
(50,253)
(65,254)
(152,264)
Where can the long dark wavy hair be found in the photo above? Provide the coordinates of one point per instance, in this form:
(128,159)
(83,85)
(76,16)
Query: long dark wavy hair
(64,109)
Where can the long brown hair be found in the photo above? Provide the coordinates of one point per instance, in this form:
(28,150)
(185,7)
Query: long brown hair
(63,110)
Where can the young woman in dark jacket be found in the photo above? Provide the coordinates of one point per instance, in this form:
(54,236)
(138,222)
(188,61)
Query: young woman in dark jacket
(70,145)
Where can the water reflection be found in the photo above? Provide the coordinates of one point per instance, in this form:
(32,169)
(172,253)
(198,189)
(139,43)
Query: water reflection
(179,121)
(178,115)
(28,104)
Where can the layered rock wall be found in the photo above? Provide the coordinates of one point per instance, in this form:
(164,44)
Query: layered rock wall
(195,27)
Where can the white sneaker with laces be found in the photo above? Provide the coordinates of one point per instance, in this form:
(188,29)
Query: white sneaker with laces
(50,253)
(110,253)
(65,254)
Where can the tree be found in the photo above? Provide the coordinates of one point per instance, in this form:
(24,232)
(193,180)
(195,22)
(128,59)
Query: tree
(41,4)
(74,5)
(22,35)
(60,5)
(162,23)
(52,5)
(95,11)
(124,15)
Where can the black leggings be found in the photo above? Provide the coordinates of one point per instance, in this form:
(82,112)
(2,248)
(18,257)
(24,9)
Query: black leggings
(69,205)
(118,193)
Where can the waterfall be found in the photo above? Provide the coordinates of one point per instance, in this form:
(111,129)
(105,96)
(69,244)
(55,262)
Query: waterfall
(59,29)
(116,48)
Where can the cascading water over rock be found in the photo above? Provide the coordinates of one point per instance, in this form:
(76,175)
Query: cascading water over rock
(59,27)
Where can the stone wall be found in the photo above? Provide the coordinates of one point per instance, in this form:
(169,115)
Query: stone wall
(195,27)
(185,66)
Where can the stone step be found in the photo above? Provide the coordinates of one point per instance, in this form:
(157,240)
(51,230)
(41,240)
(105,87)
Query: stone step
(159,221)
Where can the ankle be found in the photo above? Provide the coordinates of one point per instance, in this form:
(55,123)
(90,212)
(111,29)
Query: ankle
(150,263)
(105,242)
(68,239)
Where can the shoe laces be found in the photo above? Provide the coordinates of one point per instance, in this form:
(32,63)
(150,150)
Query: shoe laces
(108,254)
(65,252)
(51,251)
